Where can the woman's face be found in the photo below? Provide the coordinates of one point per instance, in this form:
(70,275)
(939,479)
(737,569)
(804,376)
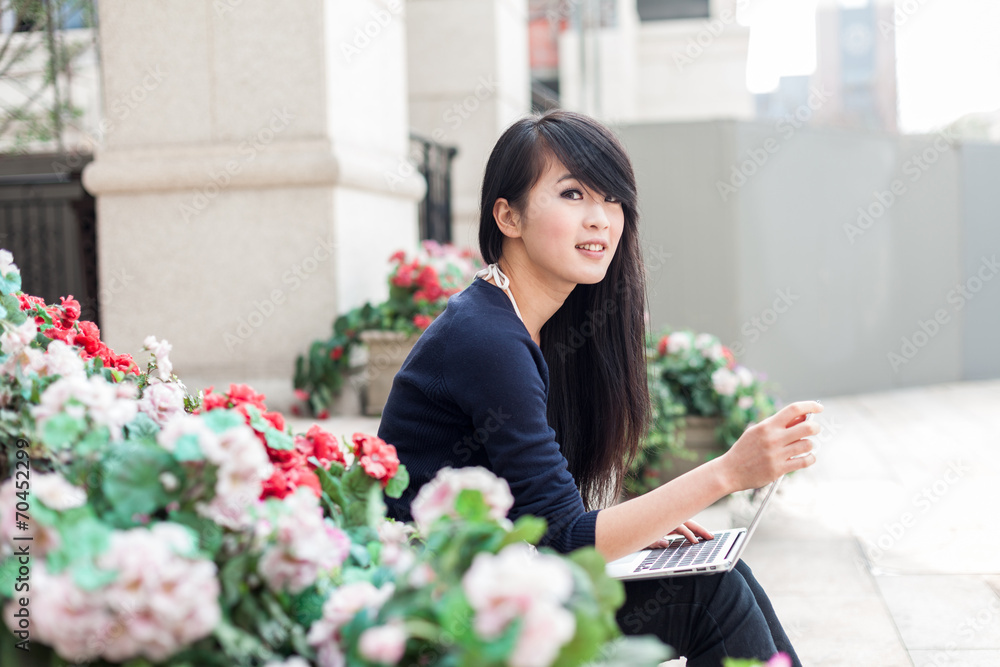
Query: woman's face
(569,231)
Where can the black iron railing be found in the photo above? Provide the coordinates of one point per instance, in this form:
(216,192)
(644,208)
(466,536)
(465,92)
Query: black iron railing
(49,223)
(434,162)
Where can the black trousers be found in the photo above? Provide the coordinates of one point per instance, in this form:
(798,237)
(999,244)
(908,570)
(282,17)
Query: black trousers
(706,617)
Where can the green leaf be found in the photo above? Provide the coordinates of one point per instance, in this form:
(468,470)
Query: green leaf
(471,505)
(9,571)
(221,421)
(398,483)
(61,430)
(527,528)
(278,440)
(10,283)
(375,506)
(632,651)
(142,426)
(96,440)
(80,542)
(186,448)
(133,484)
(209,533)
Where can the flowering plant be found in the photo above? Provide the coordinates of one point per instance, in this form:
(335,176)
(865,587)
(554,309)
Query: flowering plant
(142,525)
(418,292)
(693,374)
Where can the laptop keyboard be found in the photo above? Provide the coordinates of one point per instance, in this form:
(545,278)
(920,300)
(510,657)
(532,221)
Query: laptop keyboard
(683,553)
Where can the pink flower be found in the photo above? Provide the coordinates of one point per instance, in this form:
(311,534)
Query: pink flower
(437,497)
(521,583)
(384,644)
(725,382)
(340,608)
(779,660)
(679,341)
(306,544)
(162,401)
(160,351)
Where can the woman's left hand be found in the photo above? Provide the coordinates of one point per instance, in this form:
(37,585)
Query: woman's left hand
(689,529)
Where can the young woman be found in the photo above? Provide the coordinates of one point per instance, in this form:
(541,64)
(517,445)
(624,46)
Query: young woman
(537,372)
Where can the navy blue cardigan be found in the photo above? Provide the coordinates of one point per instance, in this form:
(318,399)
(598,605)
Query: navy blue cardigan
(473,392)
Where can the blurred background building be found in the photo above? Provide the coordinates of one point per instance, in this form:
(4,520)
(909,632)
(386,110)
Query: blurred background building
(249,167)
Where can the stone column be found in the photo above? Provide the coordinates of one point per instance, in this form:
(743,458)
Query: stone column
(468,80)
(250,185)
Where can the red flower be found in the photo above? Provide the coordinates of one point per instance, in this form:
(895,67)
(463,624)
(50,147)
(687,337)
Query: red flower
(297,411)
(243,393)
(29,302)
(321,444)
(421,321)
(89,339)
(730,357)
(212,401)
(304,477)
(428,278)
(323,414)
(301,394)
(397,256)
(377,457)
(276,486)
(337,352)
(662,347)
(71,310)
(276,418)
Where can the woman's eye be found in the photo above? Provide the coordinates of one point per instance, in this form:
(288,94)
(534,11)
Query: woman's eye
(573,194)
(613,199)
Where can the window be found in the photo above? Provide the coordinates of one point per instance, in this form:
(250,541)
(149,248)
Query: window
(664,10)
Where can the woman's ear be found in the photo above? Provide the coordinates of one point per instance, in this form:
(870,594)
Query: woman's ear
(506,218)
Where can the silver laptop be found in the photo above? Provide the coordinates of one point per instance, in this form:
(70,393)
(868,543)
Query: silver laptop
(682,558)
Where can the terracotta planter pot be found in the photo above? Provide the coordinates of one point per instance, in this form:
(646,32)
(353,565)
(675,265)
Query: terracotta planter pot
(387,350)
(699,437)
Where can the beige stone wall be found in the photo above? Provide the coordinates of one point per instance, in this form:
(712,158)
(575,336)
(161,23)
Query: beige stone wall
(255,190)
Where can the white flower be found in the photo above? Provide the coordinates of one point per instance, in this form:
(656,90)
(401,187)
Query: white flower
(714,352)
(745,402)
(162,401)
(679,341)
(59,359)
(160,350)
(437,497)
(16,338)
(703,341)
(107,404)
(384,644)
(340,608)
(58,494)
(745,375)
(725,382)
(517,583)
(7,262)
(242,466)
(307,544)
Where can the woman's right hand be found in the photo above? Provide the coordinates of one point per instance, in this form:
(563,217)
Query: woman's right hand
(763,453)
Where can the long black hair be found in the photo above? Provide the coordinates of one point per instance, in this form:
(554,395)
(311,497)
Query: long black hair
(594,345)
